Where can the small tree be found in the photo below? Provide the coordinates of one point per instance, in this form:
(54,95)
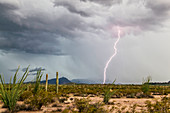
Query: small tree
(145,85)
(11,94)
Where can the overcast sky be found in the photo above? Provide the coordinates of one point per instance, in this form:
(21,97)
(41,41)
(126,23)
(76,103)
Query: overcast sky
(76,37)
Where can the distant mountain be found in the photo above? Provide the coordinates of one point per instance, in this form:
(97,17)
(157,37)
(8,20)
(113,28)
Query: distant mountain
(159,83)
(62,80)
(85,81)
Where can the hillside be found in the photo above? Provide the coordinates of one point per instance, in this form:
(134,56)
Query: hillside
(62,80)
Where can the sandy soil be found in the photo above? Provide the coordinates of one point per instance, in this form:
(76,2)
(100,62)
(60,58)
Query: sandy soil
(115,103)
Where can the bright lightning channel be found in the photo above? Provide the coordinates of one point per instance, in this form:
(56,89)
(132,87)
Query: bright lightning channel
(114,54)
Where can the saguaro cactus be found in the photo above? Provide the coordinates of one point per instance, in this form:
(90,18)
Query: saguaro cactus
(56,82)
(46,84)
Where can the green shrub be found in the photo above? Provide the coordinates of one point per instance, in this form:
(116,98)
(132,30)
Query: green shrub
(84,107)
(145,86)
(40,99)
(82,104)
(108,93)
(11,94)
(25,95)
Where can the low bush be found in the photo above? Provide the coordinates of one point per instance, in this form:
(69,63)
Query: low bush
(39,96)
(40,99)
(84,107)
(145,86)
(25,95)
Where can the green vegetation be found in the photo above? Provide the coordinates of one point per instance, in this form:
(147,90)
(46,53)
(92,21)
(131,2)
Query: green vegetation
(39,97)
(98,89)
(36,85)
(162,106)
(25,95)
(11,93)
(108,93)
(84,107)
(37,100)
(145,86)
(79,97)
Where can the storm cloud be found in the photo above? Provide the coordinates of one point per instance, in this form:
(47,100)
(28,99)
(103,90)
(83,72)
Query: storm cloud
(34,27)
(34,70)
(75,30)
(30,70)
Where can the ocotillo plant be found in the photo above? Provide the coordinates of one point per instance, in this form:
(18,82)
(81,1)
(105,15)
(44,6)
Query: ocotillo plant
(145,85)
(108,94)
(56,82)
(37,82)
(11,94)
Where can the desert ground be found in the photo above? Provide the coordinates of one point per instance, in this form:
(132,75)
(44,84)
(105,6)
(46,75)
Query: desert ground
(115,105)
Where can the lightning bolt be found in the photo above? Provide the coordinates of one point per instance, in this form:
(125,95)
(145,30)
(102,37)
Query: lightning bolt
(114,54)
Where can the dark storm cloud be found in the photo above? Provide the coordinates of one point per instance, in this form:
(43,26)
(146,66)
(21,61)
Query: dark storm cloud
(32,34)
(6,24)
(18,37)
(29,42)
(30,70)
(27,26)
(35,69)
(14,37)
